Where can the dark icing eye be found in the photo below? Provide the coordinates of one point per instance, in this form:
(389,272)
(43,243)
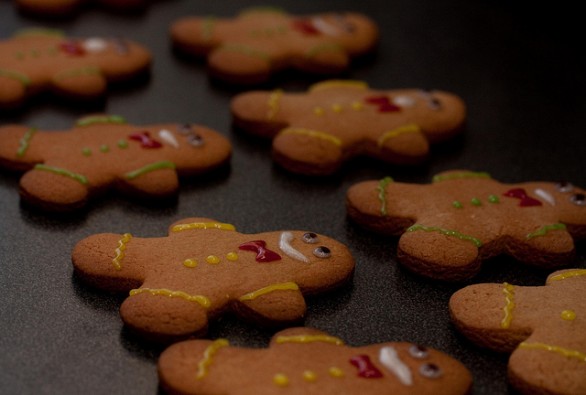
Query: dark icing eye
(418,351)
(322,252)
(564,186)
(579,199)
(430,371)
(184,128)
(195,139)
(310,238)
(121,46)
(434,103)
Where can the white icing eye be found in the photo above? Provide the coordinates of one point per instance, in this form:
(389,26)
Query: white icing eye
(564,186)
(195,140)
(430,371)
(95,45)
(322,252)
(404,101)
(184,128)
(418,352)
(310,238)
(579,199)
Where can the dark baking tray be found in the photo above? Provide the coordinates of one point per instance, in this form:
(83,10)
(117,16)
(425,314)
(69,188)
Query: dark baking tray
(520,69)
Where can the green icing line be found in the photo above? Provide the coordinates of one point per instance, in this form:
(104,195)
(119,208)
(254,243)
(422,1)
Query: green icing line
(207,28)
(323,48)
(460,176)
(39,32)
(545,229)
(246,50)
(165,164)
(23,79)
(251,10)
(98,119)
(382,185)
(77,73)
(25,141)
(63,172)
(446,232)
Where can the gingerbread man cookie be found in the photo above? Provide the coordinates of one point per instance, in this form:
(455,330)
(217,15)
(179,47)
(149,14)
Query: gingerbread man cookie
(41,60)
(65,168)
(463,218)
(259,42)
(203,268)
(64,7)
(308,361)
(315,132)
(544,327)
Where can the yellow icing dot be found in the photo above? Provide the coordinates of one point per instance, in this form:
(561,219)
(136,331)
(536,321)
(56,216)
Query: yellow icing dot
(309,376)
(337,108)
(568,315)
(232,256)
(213,260)
(336,372)
(190,263)
(318,111)
(281,380)
(357,106)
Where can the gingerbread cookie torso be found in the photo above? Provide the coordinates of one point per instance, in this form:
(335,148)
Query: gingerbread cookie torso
(315,132)
(308,361)
(65,7)
(463,218)
(42,60)
(65,168)
(259,42)
(203,268)
(544,327)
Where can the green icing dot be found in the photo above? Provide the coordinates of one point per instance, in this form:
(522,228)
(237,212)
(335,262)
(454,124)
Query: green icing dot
(457,204)
(476,202)
(493,199)
(122,144)
(104,148)
(86,152)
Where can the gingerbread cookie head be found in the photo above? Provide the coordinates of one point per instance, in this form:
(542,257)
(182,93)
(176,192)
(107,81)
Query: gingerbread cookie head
(315,132)
(449,227)
(81,68)
(308,361)
(249,48)
(203,268)
(544,327)
(66,168)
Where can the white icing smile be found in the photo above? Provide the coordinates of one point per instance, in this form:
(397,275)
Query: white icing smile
(390,359)
(289,250)
(548,197)
(404,101)
(95,45)
(168,138)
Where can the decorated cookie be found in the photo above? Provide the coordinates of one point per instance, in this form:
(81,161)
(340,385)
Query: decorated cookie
(42,60)
(308,361)
(249,48)
(65,168)
(544,327)
(315,132)
(63,7)
(203,268)
(463,218)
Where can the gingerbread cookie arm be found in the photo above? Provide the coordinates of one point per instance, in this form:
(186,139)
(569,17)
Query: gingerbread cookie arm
(155,179)
(85,82)
(13,88)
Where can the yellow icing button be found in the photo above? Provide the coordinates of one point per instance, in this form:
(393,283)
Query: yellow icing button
(318,111)
(357,106)
(568,315)
(232,256)
(213,260)
(309,376)
(190,263)
(336,372)
(337,108)
(281,380)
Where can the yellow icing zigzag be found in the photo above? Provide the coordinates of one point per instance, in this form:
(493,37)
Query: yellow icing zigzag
(509,292)
(202,225)
(117,261)
(556,349)
(206,361)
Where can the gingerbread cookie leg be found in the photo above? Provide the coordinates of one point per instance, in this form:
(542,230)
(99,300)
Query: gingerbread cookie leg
(12,88)
(156,179)
(241,64)
(405,144)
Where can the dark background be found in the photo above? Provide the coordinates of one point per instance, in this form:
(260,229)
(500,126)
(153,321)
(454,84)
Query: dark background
(520,69)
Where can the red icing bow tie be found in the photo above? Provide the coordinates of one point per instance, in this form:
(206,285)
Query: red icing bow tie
(384,103)
(72,48)
(263,254)
(145,140)
(305,26)
(526,200)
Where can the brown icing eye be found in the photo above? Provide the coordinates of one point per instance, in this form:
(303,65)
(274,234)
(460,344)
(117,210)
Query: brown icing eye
(195,140)
(564,186)
(310,238)
(430,371)
(418,351)
(434,103)
(184,128)
(322,252)
(579,199)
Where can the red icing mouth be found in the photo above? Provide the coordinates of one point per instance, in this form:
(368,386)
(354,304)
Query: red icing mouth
(263,254)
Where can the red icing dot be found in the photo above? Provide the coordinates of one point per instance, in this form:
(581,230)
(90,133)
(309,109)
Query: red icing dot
(384,103)
(72,48)
(263,254)
(526,200)
(145,140)
(365,367)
